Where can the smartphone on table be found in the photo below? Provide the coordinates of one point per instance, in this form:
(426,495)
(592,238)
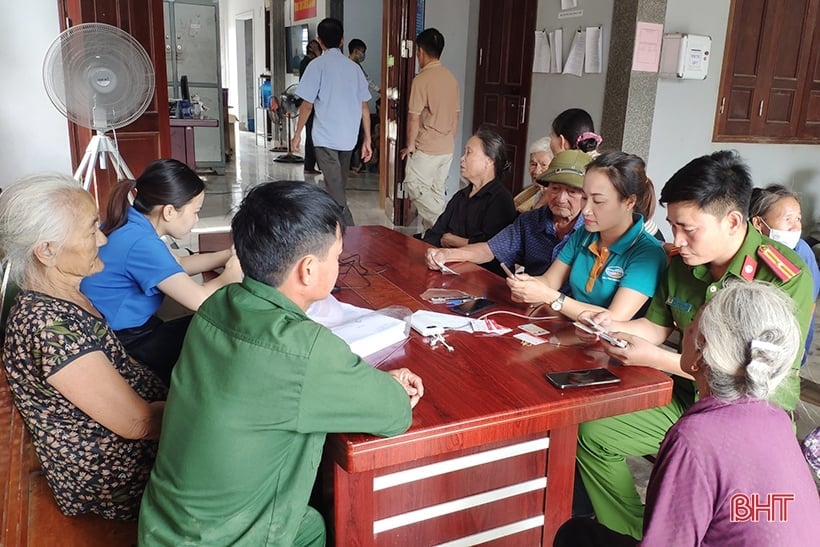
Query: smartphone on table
(581,378)
(472,307)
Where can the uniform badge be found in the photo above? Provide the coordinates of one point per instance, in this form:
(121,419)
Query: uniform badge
(749,268)
(780,265)
(678,304)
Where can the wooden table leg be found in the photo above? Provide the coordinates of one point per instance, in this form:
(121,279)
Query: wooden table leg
(560,479)
(352,509)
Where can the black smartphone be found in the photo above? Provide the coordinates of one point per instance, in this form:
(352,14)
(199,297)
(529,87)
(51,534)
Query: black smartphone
(472,307)
(580,378)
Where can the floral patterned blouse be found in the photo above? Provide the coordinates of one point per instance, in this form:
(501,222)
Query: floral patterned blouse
(89,468)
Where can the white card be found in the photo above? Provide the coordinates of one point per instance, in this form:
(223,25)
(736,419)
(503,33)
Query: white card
(533,329)
(529,338)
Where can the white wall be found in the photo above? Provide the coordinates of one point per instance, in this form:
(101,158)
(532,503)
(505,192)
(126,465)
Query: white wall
(554,93)
(34,135)
(229,12)
(684,120)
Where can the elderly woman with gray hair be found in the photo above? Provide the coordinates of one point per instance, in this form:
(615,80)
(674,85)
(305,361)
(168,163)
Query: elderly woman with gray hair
(730,471)
(93,413)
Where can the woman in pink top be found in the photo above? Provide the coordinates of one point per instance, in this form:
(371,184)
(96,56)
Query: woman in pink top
(730,471)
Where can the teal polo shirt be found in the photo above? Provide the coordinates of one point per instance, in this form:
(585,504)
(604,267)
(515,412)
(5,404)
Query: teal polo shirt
(636,261)
(684,289)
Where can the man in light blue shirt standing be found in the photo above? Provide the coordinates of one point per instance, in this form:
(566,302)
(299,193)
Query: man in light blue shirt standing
(336,88)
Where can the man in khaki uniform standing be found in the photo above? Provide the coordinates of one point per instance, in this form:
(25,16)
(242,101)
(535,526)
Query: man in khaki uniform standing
(432,120)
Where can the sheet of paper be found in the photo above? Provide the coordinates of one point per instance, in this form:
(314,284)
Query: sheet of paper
(556,38)
(593,52)
(541,58)
(647,52)
(575,59)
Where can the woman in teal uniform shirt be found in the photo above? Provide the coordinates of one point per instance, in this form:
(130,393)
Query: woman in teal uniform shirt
(614,263)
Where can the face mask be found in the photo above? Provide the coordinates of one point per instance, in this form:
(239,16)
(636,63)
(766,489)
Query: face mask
(787,238)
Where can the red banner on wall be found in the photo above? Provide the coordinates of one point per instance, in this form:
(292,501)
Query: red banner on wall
(304,9)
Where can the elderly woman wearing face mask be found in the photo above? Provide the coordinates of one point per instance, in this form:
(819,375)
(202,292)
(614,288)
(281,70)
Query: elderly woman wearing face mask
(93,413)
(775,212)
(732,452)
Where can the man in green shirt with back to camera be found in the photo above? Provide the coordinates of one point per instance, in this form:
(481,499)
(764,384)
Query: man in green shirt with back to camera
(259,385)
(707,202)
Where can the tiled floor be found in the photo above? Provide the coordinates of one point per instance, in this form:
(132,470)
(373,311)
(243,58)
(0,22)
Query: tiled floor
(254,164)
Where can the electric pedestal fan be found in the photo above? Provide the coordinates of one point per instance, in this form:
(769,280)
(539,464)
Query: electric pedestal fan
(98,76)
(289,103)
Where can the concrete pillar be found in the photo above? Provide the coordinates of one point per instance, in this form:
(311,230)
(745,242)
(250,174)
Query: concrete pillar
(629,97)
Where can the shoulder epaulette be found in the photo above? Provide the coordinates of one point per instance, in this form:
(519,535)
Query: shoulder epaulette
(780,265)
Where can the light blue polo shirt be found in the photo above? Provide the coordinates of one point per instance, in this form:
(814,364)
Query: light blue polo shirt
(135,261)
(337,88)
(636,261)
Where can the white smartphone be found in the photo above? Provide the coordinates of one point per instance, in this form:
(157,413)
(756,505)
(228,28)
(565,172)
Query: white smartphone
(601,333)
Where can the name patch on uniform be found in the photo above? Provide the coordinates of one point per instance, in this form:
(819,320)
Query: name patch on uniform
(614,272)
(678,304)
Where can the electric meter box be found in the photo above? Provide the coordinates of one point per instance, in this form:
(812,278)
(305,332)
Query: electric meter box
(685,56)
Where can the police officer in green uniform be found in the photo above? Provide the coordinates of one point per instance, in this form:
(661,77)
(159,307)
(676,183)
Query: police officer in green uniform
(707,203)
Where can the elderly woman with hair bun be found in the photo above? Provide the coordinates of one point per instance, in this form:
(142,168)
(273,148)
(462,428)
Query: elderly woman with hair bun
(732,452)
(93,413)
(481,209)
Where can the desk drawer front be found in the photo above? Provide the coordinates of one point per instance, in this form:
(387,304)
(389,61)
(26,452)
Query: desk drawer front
(465,499)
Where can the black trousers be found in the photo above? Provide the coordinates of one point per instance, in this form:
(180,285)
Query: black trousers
(310,152)
(156,344)
(585,532)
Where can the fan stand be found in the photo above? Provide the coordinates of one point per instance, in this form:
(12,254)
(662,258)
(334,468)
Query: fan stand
(290,157)
(276,129)
(100,145)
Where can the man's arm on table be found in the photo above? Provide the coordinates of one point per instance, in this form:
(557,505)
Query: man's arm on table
(478,253)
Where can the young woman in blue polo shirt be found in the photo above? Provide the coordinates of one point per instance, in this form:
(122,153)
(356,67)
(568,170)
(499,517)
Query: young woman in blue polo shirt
(614,263)
(139,269)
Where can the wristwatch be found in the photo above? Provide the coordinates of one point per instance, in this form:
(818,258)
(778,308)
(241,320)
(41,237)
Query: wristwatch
(558,303)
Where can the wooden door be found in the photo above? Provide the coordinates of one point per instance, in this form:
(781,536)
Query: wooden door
(149,137)
(506,37)
(764,89)
(398,69)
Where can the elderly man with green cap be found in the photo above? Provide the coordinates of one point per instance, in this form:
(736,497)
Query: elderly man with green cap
(534,240)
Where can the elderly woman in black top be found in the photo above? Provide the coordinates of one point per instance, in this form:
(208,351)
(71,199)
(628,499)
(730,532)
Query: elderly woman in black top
(93,413)
(480,210)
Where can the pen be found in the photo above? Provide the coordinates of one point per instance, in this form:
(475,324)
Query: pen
(462,300)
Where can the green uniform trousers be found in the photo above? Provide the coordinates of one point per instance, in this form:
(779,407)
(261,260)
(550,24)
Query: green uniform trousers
(311,530)
(602,449)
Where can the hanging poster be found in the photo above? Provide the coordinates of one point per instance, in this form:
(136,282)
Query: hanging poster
(304,9)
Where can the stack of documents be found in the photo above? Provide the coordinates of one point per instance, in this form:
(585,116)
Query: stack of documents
(365,331)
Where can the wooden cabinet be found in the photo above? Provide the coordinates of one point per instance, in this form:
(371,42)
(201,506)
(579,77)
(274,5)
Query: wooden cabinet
(770,81)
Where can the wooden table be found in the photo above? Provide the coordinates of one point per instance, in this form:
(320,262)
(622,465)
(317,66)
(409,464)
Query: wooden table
(490,456)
